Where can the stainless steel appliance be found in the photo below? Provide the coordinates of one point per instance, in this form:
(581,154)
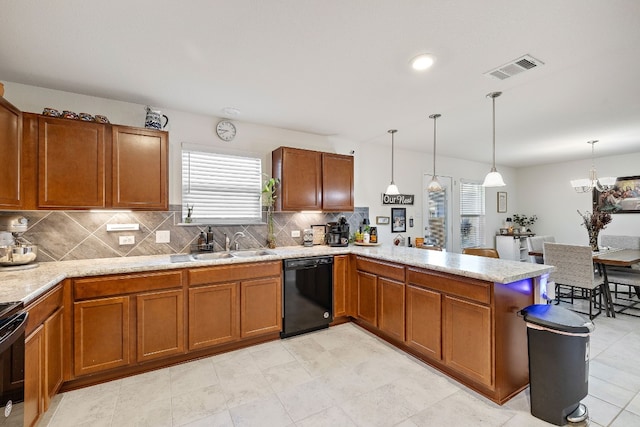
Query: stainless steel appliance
(14,251)
(12,325)
(307,295)
(338,233)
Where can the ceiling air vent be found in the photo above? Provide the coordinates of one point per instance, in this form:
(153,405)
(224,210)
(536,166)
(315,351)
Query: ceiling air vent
(514,67)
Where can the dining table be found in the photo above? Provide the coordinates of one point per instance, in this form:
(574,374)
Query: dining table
(611,257)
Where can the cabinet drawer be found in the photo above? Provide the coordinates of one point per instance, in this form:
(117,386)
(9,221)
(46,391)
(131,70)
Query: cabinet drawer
(379,268)
(40,310)
(470,289)
(230,273)
(125,284)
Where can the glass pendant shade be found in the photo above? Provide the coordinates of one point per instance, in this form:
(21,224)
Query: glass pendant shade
(586,185)
(434,186)
(493,178)
(392,189)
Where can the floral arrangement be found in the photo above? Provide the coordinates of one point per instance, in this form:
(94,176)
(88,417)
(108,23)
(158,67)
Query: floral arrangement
(524,221)
(594,222)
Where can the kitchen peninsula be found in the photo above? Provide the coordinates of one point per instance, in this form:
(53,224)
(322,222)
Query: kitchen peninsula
(456,312)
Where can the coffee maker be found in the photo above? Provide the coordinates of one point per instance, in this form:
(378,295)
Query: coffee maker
(338,233)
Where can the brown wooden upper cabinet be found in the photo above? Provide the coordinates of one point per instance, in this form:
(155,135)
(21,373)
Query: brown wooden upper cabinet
(313,180)
(85,165)
(11,194)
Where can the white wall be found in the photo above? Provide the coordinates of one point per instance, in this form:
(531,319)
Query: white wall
(372,163)
(546,192)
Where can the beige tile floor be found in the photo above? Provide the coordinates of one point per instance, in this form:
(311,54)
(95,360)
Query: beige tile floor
(338,377)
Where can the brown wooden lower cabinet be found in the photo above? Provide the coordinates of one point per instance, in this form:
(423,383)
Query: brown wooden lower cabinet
(101,334)
(340,285)
(214,315)
(467,339)
(33,376)
(43,354)
(424,321)
(160,324)
(367,304)
(391,307)
(260,307)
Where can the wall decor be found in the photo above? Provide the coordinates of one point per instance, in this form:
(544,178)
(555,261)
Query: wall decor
(624,197)
(398,199)
(502,201)
(382,220)
(398,220)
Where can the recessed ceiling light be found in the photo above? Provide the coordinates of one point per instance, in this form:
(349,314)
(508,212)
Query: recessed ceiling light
(422,62)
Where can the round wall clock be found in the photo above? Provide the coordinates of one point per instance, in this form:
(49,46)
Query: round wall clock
(226,130)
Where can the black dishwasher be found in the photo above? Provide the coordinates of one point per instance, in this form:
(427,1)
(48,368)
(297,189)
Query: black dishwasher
(307,295)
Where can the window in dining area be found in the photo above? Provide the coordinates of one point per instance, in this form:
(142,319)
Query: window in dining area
(472,214)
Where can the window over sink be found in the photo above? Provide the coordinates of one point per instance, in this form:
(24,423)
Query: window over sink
(222,188)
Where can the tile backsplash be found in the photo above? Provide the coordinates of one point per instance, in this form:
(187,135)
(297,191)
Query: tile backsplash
(72,235)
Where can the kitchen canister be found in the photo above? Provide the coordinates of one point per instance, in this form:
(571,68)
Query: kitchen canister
(154,119)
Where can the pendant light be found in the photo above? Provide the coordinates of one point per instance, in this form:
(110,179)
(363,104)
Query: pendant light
(585,185)
(392,189)
(493,178)
(434,186)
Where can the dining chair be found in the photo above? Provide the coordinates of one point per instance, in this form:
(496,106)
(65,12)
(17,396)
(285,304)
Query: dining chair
(485,252)
(621,242)
(574,267)
(535,244)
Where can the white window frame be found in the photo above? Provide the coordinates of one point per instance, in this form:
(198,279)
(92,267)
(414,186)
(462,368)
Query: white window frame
(224,188)
(472,209)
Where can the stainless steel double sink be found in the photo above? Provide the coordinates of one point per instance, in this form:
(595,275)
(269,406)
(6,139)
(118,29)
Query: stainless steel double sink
(205,256)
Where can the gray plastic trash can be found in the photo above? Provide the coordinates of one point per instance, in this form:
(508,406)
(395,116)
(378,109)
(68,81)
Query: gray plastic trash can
(558,342)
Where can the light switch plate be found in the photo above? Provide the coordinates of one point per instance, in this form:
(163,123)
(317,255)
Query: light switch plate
(163,236)
(295,233)
(127,240)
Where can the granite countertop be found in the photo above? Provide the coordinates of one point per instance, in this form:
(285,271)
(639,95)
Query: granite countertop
(27,285)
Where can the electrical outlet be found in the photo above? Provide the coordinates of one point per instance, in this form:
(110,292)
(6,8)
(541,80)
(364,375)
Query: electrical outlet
(163,236)
(127,240)
(295,233)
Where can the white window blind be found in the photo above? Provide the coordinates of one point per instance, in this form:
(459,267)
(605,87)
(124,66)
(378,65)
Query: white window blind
(222,188)
(472,214)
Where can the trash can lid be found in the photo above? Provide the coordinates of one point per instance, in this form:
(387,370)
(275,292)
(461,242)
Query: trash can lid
(557,318)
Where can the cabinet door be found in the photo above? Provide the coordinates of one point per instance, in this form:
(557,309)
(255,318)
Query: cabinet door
(53,351)
(467,339)
(139,168)
(300,174)
(260,307)
(337,182)
(424,314)
(33,376)
(101,334)
(214,315)
(71,161)
(340,280)
(160,324)
(391,307)
(10,156)
(367,303)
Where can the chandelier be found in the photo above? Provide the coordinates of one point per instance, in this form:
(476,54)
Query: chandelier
(585,185)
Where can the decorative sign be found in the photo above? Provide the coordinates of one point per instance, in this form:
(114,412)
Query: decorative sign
(397,199)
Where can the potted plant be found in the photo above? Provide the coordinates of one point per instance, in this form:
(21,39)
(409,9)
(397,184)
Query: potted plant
(524,222)
(268,199)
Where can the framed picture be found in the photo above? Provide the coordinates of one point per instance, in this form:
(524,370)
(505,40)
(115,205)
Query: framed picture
(382,220)
(398,220)
(502,201)
(623,198)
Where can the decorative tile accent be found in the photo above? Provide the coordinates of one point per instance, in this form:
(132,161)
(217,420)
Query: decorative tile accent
(75,235)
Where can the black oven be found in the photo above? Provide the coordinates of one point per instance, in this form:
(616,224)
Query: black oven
(12,325)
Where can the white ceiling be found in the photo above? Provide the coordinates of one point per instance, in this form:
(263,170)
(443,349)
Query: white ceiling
(342,67)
